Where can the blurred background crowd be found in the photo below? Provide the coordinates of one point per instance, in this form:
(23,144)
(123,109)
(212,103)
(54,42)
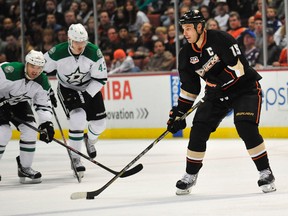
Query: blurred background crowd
(137,35)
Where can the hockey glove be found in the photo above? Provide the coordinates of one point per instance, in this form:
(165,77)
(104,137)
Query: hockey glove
(174,125)
(53,98)
(47,131)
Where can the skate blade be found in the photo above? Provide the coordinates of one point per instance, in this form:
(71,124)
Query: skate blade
(23,180)
(183,192)
(268,188)
(80,174)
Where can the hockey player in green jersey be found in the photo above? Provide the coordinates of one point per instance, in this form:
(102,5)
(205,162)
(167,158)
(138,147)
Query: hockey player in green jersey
(81,73)
(20,85)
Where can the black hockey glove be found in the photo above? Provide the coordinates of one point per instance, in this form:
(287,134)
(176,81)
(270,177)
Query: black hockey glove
(174,125)
(53,98)
(47,131)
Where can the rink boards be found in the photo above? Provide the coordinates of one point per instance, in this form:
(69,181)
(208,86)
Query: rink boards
(138,104)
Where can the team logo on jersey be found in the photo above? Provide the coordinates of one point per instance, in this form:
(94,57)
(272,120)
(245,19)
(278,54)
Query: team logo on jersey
(9,69)
(99,53)
(194,59)
(76,77)
(52,50)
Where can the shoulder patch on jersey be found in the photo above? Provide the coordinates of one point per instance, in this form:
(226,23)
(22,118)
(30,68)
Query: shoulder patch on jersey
(52,50)
(9,69)
(99,53)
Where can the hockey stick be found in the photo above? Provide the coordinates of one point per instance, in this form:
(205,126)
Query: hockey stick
(130,172)
(68,151)
(93,194)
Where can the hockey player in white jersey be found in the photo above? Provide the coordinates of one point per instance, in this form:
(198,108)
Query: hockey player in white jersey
(20,85)
(81,73)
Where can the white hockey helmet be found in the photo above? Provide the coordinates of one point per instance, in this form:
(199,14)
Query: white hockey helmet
(34,58)
(77,32)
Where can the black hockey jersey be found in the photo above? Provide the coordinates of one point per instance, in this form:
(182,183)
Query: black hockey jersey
(218,61)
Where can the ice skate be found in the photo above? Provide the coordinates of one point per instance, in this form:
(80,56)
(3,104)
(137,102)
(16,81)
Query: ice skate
(79,167)
(266,181)
(90,147)
(28,172)
(184,185)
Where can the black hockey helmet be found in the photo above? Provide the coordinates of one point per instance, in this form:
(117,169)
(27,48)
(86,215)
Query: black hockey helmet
(192,16)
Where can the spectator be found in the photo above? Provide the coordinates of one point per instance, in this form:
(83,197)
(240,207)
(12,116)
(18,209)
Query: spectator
(8,28)
(251,23)
(235,25)
(172,39)
(61,35)
(204,9)
(258,30)
(111,7)
(48,40)
(153,6)
(75,6)
(104,25)
(134,18)
(280,35)
(3,44)
(50,8)
(272,20)
(161,60)
(85,10)
(249,49)
(13,49)
(90,29)
(112,42)
(161,33)
(119,19)
(283,61)
(169,16)
(122,63)
(273,51)
(127,41)
(144,44)
(222,15)
(69,18)
(51,22)
(212,24)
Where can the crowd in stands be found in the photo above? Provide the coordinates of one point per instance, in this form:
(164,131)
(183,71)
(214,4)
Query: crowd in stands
(141,33)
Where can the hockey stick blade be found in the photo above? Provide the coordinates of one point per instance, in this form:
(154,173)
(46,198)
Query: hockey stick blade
(123,174)
(92,194)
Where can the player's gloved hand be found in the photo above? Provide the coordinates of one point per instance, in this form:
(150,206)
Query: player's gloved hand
(5,110)
(47,131)
(174,125)
(213,93)
(53,98)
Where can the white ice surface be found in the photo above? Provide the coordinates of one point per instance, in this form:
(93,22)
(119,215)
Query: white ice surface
(227,183)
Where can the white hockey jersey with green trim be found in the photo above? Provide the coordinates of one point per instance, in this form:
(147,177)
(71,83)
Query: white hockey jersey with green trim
(85,72)
(15,88)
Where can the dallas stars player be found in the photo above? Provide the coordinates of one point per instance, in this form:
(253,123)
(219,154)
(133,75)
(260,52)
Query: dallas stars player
(19,85)
(231,84)
(81,72)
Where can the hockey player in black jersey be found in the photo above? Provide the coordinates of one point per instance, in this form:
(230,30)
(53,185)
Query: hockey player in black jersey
(231,84)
